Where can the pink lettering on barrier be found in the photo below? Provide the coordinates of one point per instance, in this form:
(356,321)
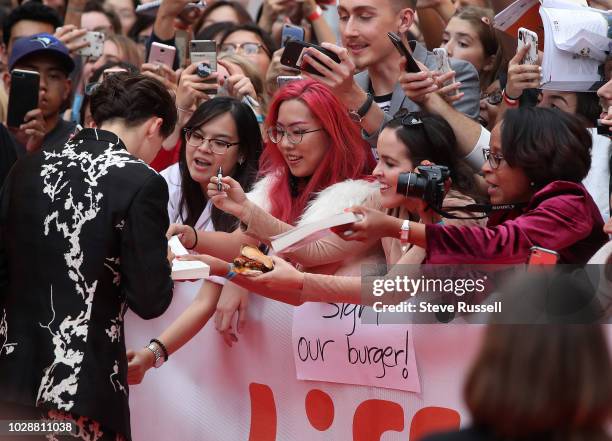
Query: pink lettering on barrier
(319,409)
(433,419)
(263,413)
(375,417)
(371,420)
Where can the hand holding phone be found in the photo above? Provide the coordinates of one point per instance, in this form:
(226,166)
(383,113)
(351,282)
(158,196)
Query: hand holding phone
(23,96)
(443,66)
(411,65)
(162,54)
(527,37)
(95,45)
(293,56)
(542,256)
(292,32)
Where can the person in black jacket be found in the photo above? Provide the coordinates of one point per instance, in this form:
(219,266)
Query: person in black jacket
(82,238)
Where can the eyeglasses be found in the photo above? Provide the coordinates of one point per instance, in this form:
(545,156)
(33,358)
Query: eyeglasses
(217,146)
(494,98)
(294,136)
(243,48)
(494,159)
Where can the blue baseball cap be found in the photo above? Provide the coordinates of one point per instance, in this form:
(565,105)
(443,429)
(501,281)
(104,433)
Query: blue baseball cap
(41,43)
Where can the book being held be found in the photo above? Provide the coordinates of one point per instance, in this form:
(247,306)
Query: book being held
(575,40)
(305,234)
(186,269)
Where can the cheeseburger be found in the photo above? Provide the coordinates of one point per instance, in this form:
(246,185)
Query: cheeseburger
(252,262)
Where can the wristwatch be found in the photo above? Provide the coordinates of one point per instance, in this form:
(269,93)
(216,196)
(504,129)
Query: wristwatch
(405,235)
(357,115)
(158,353)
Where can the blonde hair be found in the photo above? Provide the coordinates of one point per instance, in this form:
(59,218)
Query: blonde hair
(251,72)
(127,48)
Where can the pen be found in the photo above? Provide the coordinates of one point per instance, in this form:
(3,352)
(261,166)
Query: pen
(219,177)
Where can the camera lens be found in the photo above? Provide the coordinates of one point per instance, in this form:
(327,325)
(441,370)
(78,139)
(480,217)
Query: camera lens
(411,185)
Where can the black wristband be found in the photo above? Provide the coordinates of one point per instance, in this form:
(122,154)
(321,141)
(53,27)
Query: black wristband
(161,345)
(357,115)
(195,233)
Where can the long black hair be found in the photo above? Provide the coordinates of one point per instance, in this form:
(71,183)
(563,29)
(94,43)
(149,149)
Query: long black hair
(430,137)
(193,199)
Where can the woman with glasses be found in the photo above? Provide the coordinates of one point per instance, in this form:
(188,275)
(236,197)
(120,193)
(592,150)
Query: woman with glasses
(314,165)
(406,142)
(537,160)
(251,42)
(222,133)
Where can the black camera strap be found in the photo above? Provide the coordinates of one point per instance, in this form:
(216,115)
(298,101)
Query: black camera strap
(477,208)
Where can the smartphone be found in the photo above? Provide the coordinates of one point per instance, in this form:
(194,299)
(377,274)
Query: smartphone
(443,66)
(286,79)
(23,96)
(525,36)
(181,40)
(542,256)
(292,32)
(204,51)
(411,65)
(294,53)
(162,54)
(96,45)
(150,9)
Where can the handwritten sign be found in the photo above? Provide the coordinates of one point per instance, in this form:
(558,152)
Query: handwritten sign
(331,344)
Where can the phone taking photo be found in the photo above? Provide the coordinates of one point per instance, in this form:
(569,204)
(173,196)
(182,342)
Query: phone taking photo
(527,37)
(292,32)
(162,54)
(542,256)
(293,56)
(95,46)
(443,66)
(203,51)
(411,65)
(23,96)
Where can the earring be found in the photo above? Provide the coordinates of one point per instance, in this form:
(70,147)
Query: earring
(241,160)
(532,184)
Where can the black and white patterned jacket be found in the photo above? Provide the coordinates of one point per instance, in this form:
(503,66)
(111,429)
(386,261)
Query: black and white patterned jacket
(82,238)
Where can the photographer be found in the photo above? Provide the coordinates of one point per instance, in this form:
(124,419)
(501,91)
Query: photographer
(537,159)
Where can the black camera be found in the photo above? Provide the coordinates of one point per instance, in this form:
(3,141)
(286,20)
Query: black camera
(428,184)
(204,70)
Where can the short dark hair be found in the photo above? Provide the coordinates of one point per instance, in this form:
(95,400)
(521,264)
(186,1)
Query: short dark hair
(211,31)
(434,140)
(548,144)
(142,22)
(193,199)
(263,35)
(133,99)
(32,11)
(541,382)
(96,6)
(587,106)
(95,76)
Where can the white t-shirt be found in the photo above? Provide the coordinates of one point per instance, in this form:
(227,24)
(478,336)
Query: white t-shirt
(172,175)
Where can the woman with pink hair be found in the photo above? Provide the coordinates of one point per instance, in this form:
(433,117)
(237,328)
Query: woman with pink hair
(314,164)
